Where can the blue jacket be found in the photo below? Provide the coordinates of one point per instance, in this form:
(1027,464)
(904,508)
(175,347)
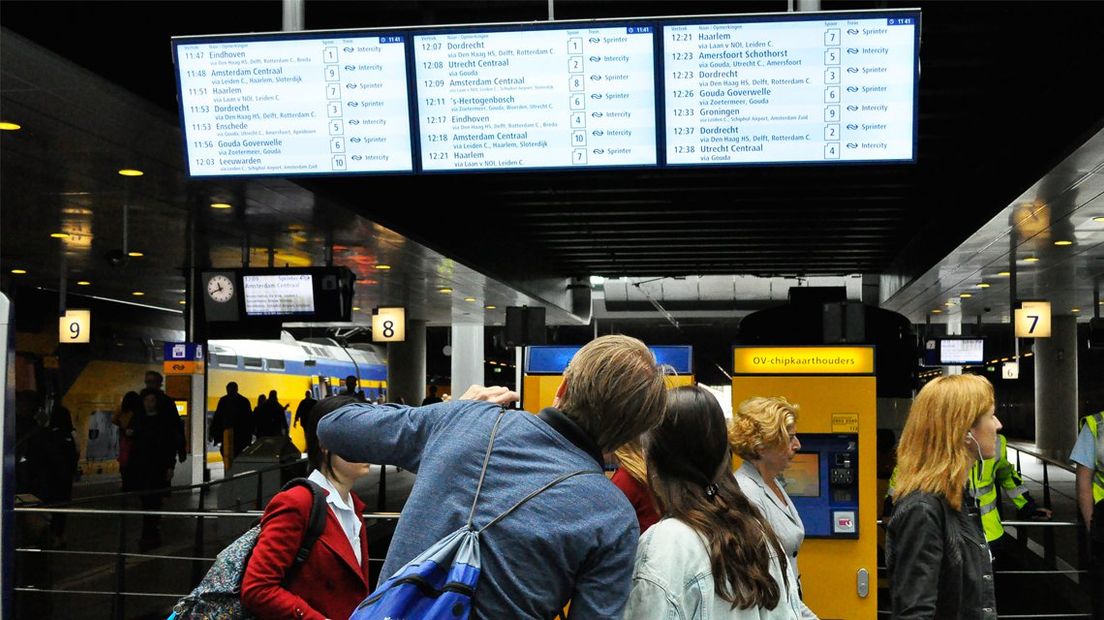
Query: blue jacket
(574,542)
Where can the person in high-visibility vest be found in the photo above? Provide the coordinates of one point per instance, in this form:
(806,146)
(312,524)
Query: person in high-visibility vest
(985,476)
(1088,454)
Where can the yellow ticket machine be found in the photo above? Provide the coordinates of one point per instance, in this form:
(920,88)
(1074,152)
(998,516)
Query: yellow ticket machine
(832,481)
(545,365)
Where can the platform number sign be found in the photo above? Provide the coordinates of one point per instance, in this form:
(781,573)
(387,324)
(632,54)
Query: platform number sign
(389,325)
(75,327)
(1033,320)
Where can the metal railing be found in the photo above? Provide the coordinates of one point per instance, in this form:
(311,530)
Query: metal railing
(201,514)
(1047,461)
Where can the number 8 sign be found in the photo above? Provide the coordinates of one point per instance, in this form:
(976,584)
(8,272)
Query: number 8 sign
(389,325)
(75,327)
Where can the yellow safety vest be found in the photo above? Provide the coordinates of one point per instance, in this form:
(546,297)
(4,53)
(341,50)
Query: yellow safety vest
(1094,422)
(984,478)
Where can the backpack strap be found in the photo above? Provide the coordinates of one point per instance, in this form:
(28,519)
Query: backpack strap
(534,494)
(316,523)
(486,460)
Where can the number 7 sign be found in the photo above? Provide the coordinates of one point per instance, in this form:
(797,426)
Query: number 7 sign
(1033,320)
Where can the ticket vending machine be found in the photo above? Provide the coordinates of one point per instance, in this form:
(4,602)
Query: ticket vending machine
(832,480)
(545,365)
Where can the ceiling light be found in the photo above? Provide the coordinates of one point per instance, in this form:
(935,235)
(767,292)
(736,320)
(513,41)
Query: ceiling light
(1063,242)
(183,302)
(490,307)
(446,290)
(356,308)
(221,205)
(937,311)
(59,235)
(1004,274)
(131,172)
(83,283)
(965,295)
(135,254)
(383,267)
(1099,218)
(983,285)
(19,272)
(1031,259)
(137,293)
(7,126)
(1075,310)
(469,299)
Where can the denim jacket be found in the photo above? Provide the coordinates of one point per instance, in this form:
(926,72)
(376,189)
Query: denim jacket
(673,580)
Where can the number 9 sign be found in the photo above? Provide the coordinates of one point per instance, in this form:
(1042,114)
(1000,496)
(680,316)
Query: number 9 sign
(75,327)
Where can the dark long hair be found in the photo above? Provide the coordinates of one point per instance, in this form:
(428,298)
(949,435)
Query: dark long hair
(689,469)
(318,458)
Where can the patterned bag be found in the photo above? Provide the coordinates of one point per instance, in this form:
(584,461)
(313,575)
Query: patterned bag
(439,584)
(218,595)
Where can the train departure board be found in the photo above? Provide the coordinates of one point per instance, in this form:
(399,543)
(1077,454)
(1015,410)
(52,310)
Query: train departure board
(321,104)
(816,88)
(572,97)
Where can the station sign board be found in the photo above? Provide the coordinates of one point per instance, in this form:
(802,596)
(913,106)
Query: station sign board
(75,327)
(389,325)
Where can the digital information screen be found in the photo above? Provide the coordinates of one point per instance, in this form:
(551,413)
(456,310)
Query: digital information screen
(295,106)
(802,476)
(792,91)
(557,98)
(965,351)
(284,294)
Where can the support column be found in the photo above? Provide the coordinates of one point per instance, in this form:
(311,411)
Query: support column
(406,365)
(1056,388)
(954,328)
(467,356)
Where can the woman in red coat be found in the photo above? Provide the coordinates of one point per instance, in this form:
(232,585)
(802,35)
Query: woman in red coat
(334,579)
(632,478)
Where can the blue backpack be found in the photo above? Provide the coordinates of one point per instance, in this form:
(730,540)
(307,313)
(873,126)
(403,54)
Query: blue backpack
(218,595)
(440,583)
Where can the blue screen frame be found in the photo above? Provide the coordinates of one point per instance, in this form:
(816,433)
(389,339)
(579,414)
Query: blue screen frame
(553,359)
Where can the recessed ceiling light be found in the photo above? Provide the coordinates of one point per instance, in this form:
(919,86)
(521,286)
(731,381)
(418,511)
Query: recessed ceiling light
(221,205)
(59,235)
(131,172)
(137,293)
(965,295)
(183,302)
(490,306)
(983,285)
(1063,242)
(446,290)
(937,311)
(1075,310)
(135,254)
(1099,218)
(1031,259)
(356,308)
(19,272)
(8,126)
(1004,274)
(83,283)
(383,267)
(469,299)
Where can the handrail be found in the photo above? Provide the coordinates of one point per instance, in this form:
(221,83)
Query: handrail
(178,513)
(882,522)
(1030,451)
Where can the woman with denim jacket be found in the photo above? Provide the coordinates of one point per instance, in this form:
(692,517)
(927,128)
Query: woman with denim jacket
(939,563)
(713,555)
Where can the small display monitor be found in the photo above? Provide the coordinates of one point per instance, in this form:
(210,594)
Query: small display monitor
(959,351)
(802,477)
(278,295)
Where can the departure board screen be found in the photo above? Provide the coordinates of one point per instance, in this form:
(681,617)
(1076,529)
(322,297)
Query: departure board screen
(791,90)
(325,104)
(276,295)
(541,98)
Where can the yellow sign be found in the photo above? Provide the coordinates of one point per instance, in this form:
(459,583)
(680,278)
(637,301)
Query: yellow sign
(1033,320)
(389,325)
(803,360)
(845,422)
(182,367)
(75,327)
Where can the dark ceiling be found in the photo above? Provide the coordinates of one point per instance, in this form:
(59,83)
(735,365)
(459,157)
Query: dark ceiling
(1005,94)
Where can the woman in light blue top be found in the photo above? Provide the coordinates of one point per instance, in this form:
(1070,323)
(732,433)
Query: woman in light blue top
(763,434)
(713,556)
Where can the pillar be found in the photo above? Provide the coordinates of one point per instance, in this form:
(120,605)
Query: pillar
(406,365)
(1056,388)
(467,356)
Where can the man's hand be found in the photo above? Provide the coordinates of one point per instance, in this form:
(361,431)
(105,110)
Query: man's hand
(494,394)
(1042,514)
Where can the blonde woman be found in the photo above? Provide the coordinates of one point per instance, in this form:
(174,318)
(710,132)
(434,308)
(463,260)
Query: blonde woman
(763,433)
(632,478)
(939,562)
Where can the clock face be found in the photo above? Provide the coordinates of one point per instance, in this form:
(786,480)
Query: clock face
(220,288)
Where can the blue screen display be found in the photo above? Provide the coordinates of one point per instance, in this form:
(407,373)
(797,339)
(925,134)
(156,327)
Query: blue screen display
(553,359)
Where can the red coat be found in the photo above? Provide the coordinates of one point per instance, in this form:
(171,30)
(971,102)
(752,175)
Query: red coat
(640,496)
(329,584)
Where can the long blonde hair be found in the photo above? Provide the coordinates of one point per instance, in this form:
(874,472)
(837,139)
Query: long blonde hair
(933,456)
(631,458)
